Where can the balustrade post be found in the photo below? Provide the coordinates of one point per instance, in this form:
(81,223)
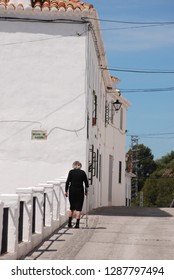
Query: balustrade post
(64,202)
(1,221)
(26,195)
(11,201)
(48,204)
(38,203)
(56,199)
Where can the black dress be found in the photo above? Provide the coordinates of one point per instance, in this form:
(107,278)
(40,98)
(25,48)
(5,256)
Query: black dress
(74,184)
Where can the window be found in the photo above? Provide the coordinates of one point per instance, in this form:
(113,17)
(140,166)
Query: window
(119,172)
(97,163)
(88,126)
(100,167)
(94,109)
(121,118)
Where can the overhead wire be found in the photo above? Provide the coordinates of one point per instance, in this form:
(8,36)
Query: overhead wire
(130,27)
(130,22)
(82,21)
(139,70)
(39,40)
(144,71)
(154,134)
(151,136)
(147,90)
(19,121)
(56,20)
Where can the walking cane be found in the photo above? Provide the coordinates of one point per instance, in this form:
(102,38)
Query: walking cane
(87,211)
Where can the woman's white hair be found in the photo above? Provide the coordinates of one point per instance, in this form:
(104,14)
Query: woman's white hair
(77,165)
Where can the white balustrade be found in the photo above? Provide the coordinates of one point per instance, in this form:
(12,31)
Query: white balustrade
(32,214)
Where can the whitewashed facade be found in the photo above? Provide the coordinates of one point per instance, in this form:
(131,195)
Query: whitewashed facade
(54,84)
(52,79)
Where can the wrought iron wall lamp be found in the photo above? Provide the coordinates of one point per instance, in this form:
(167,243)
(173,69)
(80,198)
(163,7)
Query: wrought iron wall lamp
(117,105)
(109,111)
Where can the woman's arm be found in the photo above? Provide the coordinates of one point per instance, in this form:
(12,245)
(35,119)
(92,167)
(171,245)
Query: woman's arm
(67,184)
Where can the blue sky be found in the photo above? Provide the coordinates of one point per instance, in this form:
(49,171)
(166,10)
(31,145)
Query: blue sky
(142,47)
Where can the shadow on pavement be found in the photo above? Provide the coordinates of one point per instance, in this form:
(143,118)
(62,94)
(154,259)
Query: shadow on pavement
(55,236)
(58,235)
(132,211)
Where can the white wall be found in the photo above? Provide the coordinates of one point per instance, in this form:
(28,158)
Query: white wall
(119,191)
(42,86)
(94,81)
(47,84)
(108,140)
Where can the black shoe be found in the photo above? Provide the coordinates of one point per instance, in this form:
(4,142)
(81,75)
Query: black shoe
(69,222)
(76,226)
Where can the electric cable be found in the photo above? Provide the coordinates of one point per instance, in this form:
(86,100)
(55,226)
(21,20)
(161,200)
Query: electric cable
(139,70)
(140,90)
(161,136)
(56,20)
(154,134)
(129,22)
(40,40)
(65,129)
(19,121)
(84,20)
(130,27)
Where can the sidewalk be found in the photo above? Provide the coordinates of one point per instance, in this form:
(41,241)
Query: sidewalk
(113,233)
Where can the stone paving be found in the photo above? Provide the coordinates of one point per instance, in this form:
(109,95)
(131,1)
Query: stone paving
(113,233)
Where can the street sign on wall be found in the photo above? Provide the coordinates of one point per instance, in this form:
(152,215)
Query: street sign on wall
(39,135)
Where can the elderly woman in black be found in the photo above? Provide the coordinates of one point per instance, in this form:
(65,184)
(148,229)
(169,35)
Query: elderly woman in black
(74,188)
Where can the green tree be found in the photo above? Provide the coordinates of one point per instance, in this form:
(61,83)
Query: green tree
(150,193)
(166,161)
(158,190)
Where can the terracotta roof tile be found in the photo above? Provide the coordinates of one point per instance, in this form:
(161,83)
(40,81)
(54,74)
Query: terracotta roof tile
(43,5)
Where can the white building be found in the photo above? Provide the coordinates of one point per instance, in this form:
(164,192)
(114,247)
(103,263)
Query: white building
(54,81)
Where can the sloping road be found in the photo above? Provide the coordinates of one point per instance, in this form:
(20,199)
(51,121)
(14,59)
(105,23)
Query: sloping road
(114,233)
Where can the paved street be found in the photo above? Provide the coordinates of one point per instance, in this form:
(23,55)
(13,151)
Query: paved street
(114,233)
